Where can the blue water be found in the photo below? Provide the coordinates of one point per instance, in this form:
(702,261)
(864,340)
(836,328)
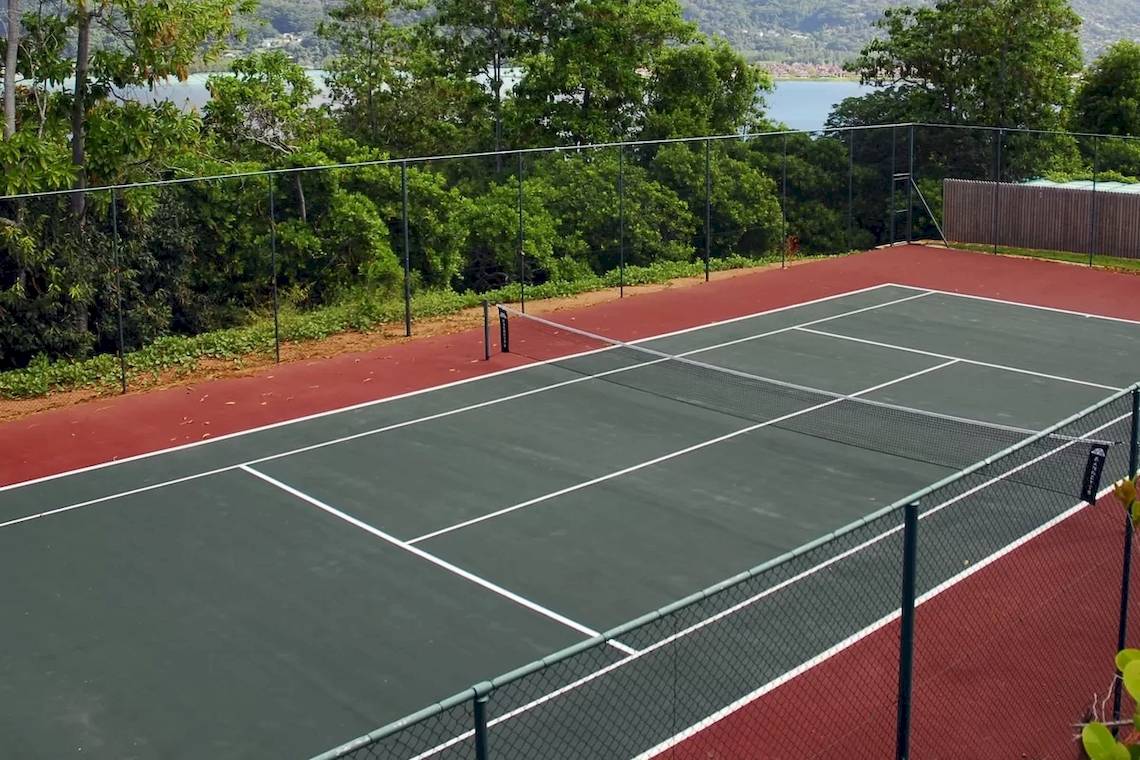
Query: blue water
(803,104)
(800,104)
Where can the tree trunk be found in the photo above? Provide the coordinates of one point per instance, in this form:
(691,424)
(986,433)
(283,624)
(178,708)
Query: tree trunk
(10,62)
(79,108)
(301,198)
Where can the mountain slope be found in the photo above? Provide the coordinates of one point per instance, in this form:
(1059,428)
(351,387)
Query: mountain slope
(831,31)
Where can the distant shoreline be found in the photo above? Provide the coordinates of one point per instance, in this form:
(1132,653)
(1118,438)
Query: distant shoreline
(789,78)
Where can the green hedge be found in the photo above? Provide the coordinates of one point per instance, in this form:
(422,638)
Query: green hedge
(356,312)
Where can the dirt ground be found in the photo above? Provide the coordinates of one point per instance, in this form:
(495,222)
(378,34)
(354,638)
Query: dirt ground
(336,345)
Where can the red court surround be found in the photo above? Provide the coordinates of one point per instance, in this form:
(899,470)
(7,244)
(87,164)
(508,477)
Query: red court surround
(114,428)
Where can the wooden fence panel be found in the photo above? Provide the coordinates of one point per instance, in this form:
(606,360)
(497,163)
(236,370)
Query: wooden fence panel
(1047,218)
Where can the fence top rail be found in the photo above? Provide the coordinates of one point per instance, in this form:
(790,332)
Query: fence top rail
(410,160)
(1021,130)
(615,633)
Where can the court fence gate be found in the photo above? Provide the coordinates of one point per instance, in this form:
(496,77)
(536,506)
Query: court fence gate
(1007,576)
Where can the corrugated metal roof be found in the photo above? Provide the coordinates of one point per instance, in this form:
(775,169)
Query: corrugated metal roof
(1087,184)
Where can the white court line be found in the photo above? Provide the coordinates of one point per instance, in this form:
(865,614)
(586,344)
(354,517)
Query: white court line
(674,455)
(831,651)
(991,365)
(1021,304)
(441,563)
(410,394)
(428,418)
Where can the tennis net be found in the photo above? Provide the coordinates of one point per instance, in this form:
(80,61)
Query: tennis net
(853,420)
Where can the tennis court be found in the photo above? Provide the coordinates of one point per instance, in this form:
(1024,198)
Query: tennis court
(274,593)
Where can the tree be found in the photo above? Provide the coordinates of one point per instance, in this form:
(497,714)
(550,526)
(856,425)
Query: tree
(263,111)
(591,78)
(704,88)
(148,42)
(478,39)
(11,52)
(1108,99)
(1108,102)
(371,49)
(1006,63)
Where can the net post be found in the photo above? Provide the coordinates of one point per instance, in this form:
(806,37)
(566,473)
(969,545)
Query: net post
(522,238)
(407,252)
(906,631)
(482,695)
(708,206)
(504,331)
(118,288)
(273,264)
(1126,565)
(486,330)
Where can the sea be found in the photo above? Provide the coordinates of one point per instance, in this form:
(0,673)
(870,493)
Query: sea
(798,103)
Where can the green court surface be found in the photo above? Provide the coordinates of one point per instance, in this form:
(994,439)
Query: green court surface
(274,593)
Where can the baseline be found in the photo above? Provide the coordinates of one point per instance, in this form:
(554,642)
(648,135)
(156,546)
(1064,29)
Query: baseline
(971,296)
(963,360)
(431,558)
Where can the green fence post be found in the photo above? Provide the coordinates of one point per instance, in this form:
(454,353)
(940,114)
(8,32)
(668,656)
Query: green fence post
(784,206)
(273,264)
(407,252)
(997,185)
(522,241)
(1093,220)
(851,190)
(910,186)
(708,206)
(906,632)
(621,221)
(893,226)
(1126,569)
(118,288)
(482,695)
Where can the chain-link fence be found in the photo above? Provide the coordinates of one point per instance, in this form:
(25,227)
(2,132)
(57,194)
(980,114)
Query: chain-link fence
(976,618)
(156,278)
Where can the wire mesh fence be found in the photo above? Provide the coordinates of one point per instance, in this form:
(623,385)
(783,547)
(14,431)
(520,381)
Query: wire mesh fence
(977,617)
(156,277)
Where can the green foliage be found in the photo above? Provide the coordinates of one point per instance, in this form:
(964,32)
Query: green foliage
(262,107)
(359,310)
(1108,99)
(586,84)
(705,88)
(994,62)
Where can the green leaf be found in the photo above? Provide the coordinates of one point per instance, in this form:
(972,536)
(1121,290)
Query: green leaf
(1126,657)
(1100,744)
(1134,752)
(1131,676)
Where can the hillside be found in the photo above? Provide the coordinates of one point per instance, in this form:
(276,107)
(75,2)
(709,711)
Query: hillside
(802,31)
(830,31)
